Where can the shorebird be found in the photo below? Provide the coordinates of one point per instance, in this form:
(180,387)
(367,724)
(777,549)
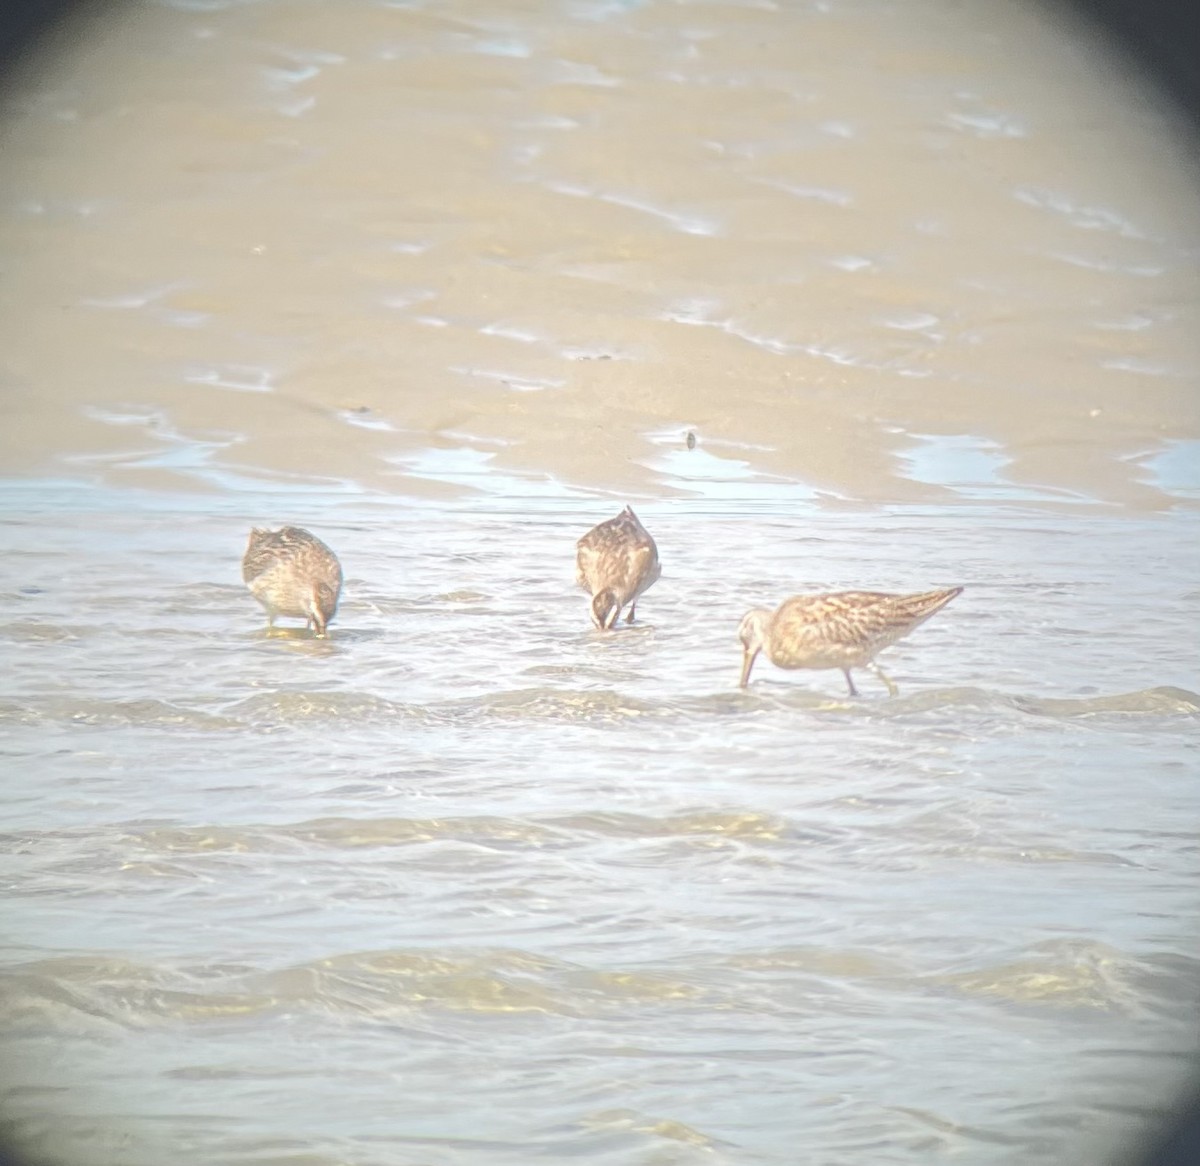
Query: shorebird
(843,629)
(291,572)
(616,561)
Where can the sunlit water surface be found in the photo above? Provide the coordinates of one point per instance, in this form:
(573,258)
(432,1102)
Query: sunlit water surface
(470,882)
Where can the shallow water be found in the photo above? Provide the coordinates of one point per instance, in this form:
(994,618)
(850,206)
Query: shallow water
(469,882)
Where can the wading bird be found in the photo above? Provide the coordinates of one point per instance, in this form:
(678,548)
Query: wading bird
(844,629)
(615,562)
(293,573)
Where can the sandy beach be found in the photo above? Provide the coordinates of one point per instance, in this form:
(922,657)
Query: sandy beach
(832,236)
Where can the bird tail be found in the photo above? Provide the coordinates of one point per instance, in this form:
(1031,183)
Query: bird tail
(920,607)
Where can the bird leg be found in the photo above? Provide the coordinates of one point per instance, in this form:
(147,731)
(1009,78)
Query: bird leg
(892,689)
(849,682)
(629,617)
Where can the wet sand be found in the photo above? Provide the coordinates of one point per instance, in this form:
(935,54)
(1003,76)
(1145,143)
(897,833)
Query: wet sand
(322,245)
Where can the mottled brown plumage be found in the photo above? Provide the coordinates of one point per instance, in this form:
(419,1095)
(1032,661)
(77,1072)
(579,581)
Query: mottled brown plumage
(293,573)
(615,562)
(844,629)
